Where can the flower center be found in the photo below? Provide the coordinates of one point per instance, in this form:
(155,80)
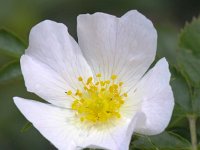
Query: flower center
(99,101)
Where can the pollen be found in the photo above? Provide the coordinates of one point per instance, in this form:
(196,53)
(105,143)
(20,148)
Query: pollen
(80,79)
(113,77)
(69,92)
(98,75)
(98,101)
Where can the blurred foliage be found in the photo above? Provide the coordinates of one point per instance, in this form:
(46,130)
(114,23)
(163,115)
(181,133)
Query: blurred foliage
(163,141)
(189,37)
(10,44)
(10,71)
(181,50)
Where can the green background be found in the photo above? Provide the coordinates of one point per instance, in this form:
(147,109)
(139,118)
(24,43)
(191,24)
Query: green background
(168,16)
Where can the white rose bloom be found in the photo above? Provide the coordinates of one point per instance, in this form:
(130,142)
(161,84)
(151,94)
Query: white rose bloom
(98,92)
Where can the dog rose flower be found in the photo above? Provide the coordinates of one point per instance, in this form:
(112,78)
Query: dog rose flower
(99,91)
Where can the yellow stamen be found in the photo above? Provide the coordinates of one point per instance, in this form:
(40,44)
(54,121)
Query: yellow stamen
(89,80)
(125,94)
(121,83)
(113,77)
(98,75)
(69,92)
(100,101)
(80,78)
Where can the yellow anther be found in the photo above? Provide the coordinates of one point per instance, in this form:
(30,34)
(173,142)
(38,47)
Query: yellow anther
(80,78)
(74,107)
(107,81)
(113,77)
(111,89)
(115,86)
(82,100)
(82,119)
(78,93)
(98,75)
(102,83)
(69,92)
(118,115)
(121,83)
(93,88)
(116,95)
(121,102)
(103,89)
(125,94)
(99,101)
(89,80)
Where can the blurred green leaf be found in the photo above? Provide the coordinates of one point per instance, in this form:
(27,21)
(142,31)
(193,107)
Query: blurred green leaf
(11,45)
(189,66)
(196,101)
(26,127)
(10,71)
(189,53)
(182,97)
(167,43)
(190,37)
(181,92)
(163,141)
(177,117)
(198,129)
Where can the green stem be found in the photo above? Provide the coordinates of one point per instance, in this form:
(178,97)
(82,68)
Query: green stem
(192,123)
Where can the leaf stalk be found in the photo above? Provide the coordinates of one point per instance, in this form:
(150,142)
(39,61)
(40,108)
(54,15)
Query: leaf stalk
(192,123)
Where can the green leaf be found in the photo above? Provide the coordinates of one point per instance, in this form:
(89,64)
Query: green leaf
(183,104)
(190,37)
(181,92)
(163,141)
(178,116)
(167,42)
(26,127)
(189,62)
(196,102)
(11,45)
(189,66)
(10,71)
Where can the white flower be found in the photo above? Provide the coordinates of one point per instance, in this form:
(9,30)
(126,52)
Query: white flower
(98,91)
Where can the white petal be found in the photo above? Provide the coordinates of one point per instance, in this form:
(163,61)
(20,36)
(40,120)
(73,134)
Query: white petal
(52,122)
(157,100)
(51,45)
(45,82)
(124,46)
(98,139)
(122,135)
(117,137)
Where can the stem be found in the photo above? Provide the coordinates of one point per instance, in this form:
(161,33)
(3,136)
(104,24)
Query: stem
(192,123)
